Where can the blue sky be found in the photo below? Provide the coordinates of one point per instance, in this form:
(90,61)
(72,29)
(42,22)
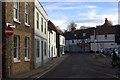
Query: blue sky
(82,13)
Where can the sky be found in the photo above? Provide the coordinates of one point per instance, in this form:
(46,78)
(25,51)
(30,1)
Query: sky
(82,13)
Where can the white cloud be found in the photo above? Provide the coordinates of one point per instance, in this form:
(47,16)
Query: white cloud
(83,14)
(62,6)
(61,23)
(92,18)
(79,0)
(90,6)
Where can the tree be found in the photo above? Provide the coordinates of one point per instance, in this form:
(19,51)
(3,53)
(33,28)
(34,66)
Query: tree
(72,26)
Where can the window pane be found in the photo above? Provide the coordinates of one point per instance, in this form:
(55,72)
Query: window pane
(25,52)
(26,18)
(37,20)
(27,9)
(15,46)
(45,48)
(26,46)
(38,48)
(15,52)
(42,24)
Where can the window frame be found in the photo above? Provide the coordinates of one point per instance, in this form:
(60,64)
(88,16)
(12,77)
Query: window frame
(41,24)
(38,47)
(84,34)
(16,59)
(27,47)
(54,37)
(105,37)
(16,10)
(45,27)
(72,41)
(26,13)
(37,20)
(45,46)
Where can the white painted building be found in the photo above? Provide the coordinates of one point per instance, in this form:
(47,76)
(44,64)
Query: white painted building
(40,30)
(105,36)
(52,44)
(102,42)
(62,44)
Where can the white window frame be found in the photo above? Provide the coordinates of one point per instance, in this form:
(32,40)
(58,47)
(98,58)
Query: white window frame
(84,34)
(63,41)
(54,37)
(16,59)
(45,27)
(26,14)
(54,50)
(41,24)
(37,20)
(16,13)
(27,47)
(45,48)
(105,37)
(37,48)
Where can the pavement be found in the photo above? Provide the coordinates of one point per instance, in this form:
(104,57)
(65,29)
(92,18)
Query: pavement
(42,69)
(104,59)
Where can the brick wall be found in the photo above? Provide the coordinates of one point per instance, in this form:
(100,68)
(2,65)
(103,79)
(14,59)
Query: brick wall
(22,31)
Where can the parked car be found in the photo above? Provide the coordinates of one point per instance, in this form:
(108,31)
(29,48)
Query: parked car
(106,51)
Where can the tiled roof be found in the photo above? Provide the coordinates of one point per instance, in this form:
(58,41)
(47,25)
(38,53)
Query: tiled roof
(78,34)
(53,27)
(107,30)
(101,30)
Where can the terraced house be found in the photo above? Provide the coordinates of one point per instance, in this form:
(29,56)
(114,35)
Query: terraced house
(41,35)
(18,49)
(57,50)
(105,36)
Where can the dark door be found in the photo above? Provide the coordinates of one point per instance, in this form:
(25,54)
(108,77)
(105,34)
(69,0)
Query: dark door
(42,51)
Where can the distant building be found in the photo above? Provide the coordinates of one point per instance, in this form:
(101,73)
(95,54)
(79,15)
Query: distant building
(93,39)
(52,41)
(78,40)
(106,36)
(59,40)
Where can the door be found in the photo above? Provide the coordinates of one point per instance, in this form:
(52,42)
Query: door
(42,56)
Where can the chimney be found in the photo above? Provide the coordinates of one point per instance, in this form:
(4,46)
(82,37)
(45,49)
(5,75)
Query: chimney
(106,20)
(65,31)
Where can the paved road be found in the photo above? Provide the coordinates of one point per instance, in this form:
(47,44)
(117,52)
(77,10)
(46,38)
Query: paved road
(82,66)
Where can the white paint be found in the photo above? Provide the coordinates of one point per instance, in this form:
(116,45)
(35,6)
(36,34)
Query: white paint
(41,36)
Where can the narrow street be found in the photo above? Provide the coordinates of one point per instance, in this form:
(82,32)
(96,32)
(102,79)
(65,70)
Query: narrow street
(82,66)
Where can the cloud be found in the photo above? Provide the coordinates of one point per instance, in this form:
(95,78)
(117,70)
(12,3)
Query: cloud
(79,0)
(83,14)
(65,6)
(61,23)
(90,15)
(90,6)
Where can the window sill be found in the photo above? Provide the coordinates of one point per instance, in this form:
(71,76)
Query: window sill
(26,24)
(27,60)
(16,60)
(17,21)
